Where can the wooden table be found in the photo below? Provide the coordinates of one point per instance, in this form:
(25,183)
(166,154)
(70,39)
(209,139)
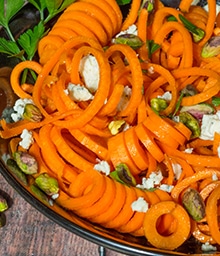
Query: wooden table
(29,233)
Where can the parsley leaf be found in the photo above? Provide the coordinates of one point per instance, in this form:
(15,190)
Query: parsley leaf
(152,47)
(38,4)
(29,39)
(8,9)
(123,2)
(9,47)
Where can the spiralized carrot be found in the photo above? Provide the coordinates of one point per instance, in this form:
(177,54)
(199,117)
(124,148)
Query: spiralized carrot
(130,118)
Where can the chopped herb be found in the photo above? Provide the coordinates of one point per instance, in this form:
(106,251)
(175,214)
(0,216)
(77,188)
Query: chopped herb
(152,47)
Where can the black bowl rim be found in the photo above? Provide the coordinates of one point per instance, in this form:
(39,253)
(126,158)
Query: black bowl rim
(75,228)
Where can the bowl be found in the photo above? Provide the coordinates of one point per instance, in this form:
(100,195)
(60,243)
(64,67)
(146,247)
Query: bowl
(123,243)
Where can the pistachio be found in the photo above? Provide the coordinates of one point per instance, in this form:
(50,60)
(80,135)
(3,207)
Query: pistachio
(211,48)
(194,204)
(14,168)
(198,110)
(123,175)
(40,194)
(48,184)
(116,126)
(2,220)
(32,113)
(191,122)
(129,39)
(3,204)
(158,104)
(26,162)
(149,5)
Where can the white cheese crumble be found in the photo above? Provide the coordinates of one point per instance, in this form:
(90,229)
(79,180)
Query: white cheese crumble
(55,196)
(214,177)
(78,92)
(155,178)
(102,166)
(177,169)
(131,30)
(27,139)
(140,205)
(218,151)
(124,98)
(188,150)
(166,187)
(89,70)
(19,108)
(210,125)
(207,247)
(166,96)
(5,157)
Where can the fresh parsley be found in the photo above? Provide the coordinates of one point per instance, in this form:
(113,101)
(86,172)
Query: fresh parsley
(25,47)
(29,40)
(123,2)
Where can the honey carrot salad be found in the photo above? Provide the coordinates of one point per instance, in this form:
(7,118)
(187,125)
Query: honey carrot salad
(122,123)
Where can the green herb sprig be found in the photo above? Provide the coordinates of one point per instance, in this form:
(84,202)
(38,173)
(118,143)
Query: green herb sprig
(25,47)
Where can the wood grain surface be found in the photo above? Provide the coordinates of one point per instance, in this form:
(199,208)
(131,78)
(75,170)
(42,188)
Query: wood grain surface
(29,233)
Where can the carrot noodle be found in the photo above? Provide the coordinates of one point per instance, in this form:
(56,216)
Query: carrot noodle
(132,116)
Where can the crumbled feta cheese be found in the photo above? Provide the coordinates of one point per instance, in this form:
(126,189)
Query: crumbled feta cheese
(155,178)
(19,108)
(103,166)
(50,202)
(89,70)
(27,139)
(79,93)
(166,187)
(140,205)
(188,150)
(214,177)
(124,98)
(166,96)
(210,125)
(177,169)
(218,151)
(207,247)
(5,157)
(176,119)
(55,196)
(131,30)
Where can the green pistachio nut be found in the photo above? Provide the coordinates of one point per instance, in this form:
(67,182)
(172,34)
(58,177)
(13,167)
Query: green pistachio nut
(2,220)
(40,194)
(48,184)
(3,204)
(32,113)
(211,48)
(129,39)
(198,110)
(26,162)
(14,168)
(194,204)
(116,126)
(148,4)
(189,90)
(158,104)
(123,175)
(191,122)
